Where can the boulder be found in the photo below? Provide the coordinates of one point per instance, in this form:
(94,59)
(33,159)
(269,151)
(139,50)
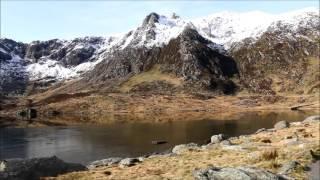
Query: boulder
(185,147)
(127,162)
(281,125)
(104,162)
(289,167)
(141,158)
(239,173)
(226,143)
(315,118)
(34,169)
(261,130)
(217,138)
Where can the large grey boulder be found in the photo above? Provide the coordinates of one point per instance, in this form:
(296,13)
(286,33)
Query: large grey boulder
(104,162)
(315,118)
(127,162)
(239,173)
(34,169)
(218,138)
(281,125)
(185,147)
(289,167)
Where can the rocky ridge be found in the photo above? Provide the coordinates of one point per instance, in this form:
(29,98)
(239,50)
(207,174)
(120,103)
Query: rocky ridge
(207,50)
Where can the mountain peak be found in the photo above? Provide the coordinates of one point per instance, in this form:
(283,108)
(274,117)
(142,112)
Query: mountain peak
(175,16)
(189,31)
(151,19)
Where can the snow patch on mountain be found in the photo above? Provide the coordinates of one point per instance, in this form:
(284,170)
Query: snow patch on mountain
(47,68)
(51,68)
(165,30)
(228,27)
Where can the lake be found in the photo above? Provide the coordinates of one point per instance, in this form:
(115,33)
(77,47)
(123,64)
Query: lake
(86,143)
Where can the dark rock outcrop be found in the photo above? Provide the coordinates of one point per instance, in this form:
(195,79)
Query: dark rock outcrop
(69,53)
(151,19)
(11,46)
(34,169)
(38,49)
(188,56)
(4,56)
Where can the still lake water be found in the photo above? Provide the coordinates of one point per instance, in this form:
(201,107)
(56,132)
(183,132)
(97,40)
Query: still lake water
(83,144)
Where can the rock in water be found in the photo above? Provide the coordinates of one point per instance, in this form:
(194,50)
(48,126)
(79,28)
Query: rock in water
(261,130)
(217,138)
(239,173)
(157,142)
(34,169)
(281,125)
(312,119)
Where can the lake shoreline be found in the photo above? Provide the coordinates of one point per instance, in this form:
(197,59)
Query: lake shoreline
(266,140)
(251,149)
(157,108)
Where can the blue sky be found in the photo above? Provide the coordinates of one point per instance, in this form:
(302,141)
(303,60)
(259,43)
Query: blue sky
(27,20)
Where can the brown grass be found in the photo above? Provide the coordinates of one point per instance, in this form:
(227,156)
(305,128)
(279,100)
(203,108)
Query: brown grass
(269,154)
(153,74)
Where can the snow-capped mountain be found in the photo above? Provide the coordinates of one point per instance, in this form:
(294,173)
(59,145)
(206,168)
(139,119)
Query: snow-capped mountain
(228,27)
(222,28)
(57,60)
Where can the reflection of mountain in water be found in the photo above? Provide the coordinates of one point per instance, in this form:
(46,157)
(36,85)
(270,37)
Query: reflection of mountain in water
(126,139)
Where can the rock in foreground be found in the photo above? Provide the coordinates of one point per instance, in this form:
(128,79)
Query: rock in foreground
(218,138)
(104,162)
(239,173)
(314,118)
(184,147)
(127,162)
(34,169)
(281,125)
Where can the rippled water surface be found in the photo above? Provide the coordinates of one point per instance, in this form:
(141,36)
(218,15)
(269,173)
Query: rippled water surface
(86,143)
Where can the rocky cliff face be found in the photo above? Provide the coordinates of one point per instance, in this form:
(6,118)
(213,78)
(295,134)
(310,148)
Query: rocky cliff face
(42,63)
(189,56)
(283,59)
